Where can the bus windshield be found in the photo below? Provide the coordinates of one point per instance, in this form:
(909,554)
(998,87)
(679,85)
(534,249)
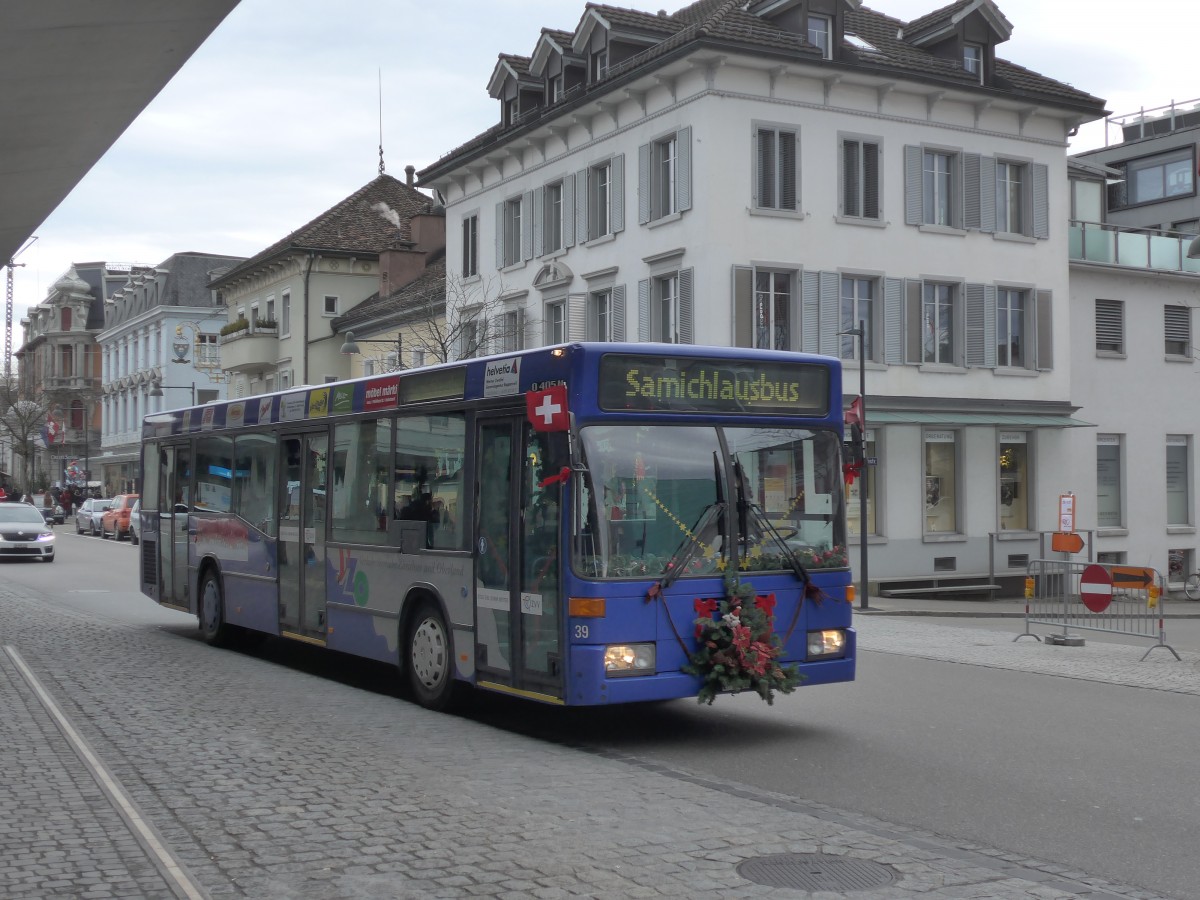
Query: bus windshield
(658,498)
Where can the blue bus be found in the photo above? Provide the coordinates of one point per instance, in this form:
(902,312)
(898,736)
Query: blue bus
(560,524)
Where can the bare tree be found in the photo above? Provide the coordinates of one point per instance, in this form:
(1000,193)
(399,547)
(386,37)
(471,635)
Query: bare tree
(443,319)
(22,420)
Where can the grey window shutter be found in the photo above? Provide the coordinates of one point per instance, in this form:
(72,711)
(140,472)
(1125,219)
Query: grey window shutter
(1041,200)
(683,176)
(870,176)
(568,211)
(987,194)
(743,306)
(893,321)
(761,193)
(976,342)
(577,317)
(616,192)
(831,284)
(789,153)
(971,190)
(810,312)
(527,225)
(1045,330)
(989,326)
(913,195)
(500,235)
(686,330)
(618,312)
(644,309)
(849,202)
(538,213)
(644,184)
(582,232)
(914,321)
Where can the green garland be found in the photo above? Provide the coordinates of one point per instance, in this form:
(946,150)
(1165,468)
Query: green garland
(737,650)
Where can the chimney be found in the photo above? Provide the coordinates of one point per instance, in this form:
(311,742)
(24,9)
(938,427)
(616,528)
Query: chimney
(428,230)
(409,172)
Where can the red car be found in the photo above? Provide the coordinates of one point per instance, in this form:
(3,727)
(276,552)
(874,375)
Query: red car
(115,520)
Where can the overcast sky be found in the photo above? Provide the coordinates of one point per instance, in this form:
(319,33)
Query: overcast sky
(277,116)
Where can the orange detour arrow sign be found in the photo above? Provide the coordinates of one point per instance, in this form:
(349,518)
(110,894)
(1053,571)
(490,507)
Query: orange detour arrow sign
(1132,577)
(1066,542)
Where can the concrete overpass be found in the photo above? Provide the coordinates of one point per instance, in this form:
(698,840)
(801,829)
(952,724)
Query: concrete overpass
(73,75)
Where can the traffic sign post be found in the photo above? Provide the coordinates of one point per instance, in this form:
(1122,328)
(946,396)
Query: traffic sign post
(1066,512)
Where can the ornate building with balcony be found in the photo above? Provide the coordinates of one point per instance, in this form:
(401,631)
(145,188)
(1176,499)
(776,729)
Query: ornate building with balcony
(59,367)
(152,323)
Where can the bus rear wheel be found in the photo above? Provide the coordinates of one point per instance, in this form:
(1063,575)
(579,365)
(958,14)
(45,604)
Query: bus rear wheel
(213,627)
(430,661)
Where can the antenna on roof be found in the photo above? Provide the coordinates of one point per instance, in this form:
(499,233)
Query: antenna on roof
(380,74)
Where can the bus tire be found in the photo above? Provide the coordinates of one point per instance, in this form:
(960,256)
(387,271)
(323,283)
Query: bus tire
(213,627)
(429,658)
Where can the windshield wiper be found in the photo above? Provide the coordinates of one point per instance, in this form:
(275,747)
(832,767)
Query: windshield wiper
(687,547)
(747,508)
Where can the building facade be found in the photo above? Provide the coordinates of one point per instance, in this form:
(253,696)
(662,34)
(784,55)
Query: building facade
(1134,291)
(59,370)
(779,174)
(158,312)
(282,302)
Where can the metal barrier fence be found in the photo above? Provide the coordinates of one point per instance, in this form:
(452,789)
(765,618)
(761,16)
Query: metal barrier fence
(1094,597)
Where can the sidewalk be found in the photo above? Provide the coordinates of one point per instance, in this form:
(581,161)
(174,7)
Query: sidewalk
(978,607)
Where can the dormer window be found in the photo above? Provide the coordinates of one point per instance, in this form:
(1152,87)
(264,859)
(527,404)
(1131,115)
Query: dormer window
(820,29)
(599,64)
(510,111)
(556,88)
(66,319)
(973,60)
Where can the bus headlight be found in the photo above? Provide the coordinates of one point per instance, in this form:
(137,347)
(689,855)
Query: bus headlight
(826,644)
(629,659)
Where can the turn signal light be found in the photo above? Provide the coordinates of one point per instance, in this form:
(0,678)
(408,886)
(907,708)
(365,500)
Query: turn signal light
(586,607)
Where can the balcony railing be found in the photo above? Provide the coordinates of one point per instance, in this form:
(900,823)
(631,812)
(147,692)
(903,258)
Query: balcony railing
(1133,248)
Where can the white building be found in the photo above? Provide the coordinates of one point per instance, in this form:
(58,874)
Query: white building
(1133,295)
(156,309)
(774,173)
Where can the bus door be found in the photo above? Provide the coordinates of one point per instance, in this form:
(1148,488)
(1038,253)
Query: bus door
(303,467)
(518,559)
(174,501)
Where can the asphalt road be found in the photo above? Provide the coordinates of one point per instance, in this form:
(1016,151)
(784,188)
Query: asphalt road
(1094,776)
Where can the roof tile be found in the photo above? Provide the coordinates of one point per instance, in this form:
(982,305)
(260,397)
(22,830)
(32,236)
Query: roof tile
(352,225)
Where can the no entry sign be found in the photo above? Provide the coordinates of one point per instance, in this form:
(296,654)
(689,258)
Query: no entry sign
(1095,588)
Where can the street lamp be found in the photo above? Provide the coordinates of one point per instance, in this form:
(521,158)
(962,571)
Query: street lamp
(351,347)
(863,487)
(157,390)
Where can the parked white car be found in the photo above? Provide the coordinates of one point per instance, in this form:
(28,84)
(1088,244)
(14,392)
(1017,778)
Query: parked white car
(87,518)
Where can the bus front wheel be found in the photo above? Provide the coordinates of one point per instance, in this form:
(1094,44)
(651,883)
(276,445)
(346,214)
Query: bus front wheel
(213,627)
(430,661)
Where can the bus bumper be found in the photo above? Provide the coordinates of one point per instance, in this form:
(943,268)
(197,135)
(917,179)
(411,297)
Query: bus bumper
(588,685)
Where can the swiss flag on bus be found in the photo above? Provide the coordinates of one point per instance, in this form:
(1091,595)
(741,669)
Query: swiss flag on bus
(547,410)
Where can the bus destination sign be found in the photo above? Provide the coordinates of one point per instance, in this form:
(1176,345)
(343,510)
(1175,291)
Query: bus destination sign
(687,384)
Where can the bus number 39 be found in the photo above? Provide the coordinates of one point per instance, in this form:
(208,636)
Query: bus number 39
(581,631)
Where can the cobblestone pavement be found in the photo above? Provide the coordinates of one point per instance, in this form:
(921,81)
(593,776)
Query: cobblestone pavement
(265,782)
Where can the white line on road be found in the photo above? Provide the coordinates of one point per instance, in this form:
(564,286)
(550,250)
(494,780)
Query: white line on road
(166,862)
